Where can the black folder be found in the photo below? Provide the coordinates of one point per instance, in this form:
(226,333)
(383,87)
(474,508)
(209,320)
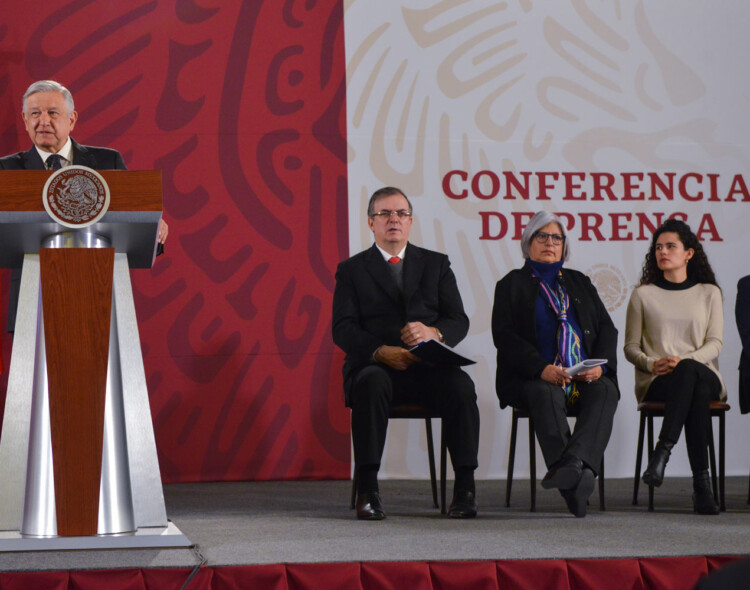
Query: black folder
(438,353)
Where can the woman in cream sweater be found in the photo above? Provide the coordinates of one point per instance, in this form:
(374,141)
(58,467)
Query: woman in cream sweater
(673,336)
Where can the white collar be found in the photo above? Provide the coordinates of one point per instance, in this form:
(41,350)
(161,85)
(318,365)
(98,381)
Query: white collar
(387,256)
(66,152)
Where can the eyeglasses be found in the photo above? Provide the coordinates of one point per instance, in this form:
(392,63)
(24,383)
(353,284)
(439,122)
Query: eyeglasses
(387,214)
(542,237)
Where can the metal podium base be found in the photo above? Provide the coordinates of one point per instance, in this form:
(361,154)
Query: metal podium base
(143,538)
(131,496)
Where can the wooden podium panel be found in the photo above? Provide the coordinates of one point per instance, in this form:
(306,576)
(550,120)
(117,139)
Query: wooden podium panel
(76,303)
(131,190)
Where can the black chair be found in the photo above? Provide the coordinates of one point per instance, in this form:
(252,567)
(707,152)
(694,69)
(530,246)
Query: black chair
(520,413)
(414,411)
(651,410)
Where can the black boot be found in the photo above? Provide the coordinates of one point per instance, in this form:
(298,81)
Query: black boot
(654,474)
(703,496)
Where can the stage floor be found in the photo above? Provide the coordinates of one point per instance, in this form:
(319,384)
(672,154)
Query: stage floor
(307,522)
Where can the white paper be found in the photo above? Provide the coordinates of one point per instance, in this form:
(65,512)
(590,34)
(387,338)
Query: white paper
(585,365)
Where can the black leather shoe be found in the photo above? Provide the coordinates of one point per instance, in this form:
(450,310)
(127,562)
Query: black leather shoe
(369,506)
(564,474)
(703,496)
(577,499)
(464,505)
(654,474)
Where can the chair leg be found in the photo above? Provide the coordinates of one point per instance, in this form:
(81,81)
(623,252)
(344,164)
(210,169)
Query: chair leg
(532,464)
(512,460)
(443,466)
(353,502)
(431,455)
(638,459)
(601,486)
(650,420)
(712,460)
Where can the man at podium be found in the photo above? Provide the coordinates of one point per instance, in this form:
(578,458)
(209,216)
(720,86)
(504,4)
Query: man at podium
(49,116)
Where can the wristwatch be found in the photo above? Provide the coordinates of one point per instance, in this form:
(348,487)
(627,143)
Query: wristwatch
(439,333)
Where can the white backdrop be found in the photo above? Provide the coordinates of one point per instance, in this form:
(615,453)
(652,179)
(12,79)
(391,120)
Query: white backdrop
(621,88)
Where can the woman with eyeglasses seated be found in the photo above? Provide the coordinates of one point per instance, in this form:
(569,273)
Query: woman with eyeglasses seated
(673,336)
(546,319)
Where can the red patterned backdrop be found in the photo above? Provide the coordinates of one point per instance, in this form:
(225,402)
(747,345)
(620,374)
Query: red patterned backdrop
(241,105)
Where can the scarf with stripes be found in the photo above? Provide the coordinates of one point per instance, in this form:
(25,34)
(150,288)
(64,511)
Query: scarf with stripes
(568,341)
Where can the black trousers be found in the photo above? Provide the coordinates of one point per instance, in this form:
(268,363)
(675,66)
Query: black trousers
(595,411)
(686,393)
(448,390)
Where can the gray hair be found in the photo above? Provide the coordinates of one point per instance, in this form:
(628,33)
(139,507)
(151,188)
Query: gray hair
(50,86)
(386,191)
(540,219)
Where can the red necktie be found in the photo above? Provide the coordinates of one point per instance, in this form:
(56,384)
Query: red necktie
(394,260)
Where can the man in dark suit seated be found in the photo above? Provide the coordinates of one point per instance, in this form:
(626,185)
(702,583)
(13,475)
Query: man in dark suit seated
(49,116)
(742,315)
(388,299)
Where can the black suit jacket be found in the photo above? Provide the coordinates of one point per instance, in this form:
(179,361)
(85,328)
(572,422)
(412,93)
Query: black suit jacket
(742,315)
(97,158)
(514,329)
(369,310)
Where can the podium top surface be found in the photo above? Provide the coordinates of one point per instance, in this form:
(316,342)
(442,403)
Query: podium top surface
(131,223)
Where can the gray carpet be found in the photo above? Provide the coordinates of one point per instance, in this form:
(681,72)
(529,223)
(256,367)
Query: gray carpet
(275,522)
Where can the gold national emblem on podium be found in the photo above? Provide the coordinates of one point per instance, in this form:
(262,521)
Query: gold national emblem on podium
(76,196)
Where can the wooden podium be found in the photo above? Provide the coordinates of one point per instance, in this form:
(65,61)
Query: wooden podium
(78,463)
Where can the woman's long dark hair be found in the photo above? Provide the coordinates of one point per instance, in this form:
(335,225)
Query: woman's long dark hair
(698,268)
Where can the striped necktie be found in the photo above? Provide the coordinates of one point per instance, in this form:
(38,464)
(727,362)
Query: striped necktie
(54,162)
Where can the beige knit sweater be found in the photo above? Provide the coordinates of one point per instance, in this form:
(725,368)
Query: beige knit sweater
(687,323)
